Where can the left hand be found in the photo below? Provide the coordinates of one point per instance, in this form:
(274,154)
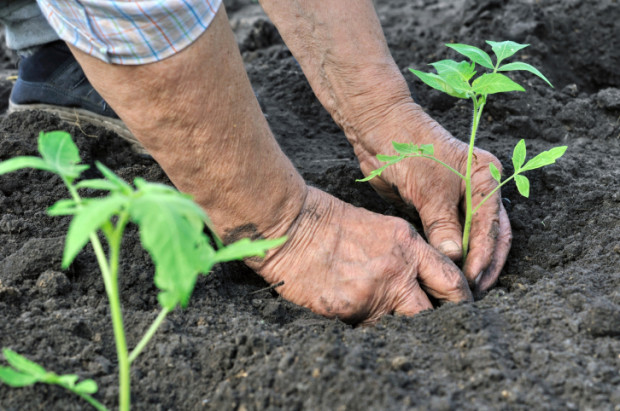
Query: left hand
(437,193)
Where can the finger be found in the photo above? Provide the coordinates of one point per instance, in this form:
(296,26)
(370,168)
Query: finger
(440,278)
(482,239)
(413,301)
(442,227)
(504,241)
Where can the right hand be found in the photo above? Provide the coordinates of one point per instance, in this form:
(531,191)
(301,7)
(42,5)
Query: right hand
(349,263)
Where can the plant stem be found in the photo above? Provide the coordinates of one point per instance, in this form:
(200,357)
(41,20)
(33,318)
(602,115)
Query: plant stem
(124,375)
(478,106)
(97,247)
(98,406)
(440,162)
(149,334)
(110,276)
(493,192)
(109,272)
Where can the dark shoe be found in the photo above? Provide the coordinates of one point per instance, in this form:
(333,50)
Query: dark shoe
(51,80)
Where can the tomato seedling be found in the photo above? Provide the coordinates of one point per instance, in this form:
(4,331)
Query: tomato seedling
(455,79)
(171,230)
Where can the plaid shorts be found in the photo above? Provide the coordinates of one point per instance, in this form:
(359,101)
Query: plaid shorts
(130,32)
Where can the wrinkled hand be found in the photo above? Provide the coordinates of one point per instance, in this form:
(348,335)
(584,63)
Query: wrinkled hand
(349,263)
(438,194)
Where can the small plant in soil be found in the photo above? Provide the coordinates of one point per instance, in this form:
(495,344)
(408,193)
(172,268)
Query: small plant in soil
(171,229)
(457,80)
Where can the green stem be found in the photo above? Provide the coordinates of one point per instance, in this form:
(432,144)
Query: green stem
(478,106)
(149,334)
(122,353)
(493,192)
(440,162)
(98,406)
(109,272)
(97,247)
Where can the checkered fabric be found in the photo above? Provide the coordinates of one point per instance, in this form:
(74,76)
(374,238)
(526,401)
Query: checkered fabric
(130,32)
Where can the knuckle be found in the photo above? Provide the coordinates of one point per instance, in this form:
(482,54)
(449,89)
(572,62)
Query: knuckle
(441,225)
(454,280)
(455,284)
(484,158)
(404,232)
(355,304)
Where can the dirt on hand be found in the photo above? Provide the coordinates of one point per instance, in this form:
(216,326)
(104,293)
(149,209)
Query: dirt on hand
(546,337)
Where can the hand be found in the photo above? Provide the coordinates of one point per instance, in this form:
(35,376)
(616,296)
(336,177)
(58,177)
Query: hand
(349,263)
(437,193)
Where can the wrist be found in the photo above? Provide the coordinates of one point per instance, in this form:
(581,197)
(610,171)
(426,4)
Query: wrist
(255,208)
(404,123)
(366,98)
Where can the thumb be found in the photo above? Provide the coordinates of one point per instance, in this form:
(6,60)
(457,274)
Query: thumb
(413,302)
(443,229)
(441,278)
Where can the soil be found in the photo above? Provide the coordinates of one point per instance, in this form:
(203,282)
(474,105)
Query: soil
(546,337)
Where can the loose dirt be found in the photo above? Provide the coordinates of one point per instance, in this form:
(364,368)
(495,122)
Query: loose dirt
(546,337)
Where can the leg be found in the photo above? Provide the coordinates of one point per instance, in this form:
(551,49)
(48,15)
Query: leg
(49,77)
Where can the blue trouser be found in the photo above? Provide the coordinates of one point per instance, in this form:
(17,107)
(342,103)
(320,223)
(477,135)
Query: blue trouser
(25,25)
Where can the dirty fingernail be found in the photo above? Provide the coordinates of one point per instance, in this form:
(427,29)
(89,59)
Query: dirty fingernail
(478,278)
(449,248)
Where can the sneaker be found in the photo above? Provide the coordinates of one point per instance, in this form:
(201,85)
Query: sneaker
(51,80)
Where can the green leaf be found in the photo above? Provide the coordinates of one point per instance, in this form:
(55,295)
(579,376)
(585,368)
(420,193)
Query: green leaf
(22,364)
(518,155)
(88,219)
(523,185)
(545,158)
(61,154)
(473,53)
(458,87)
(50,378)
(384,157)
(427,149)
(185,201)
(373,173)
(142,184)
(67,381)
(122,185)
(450,68)
(505,49)
(525,67)
(438,83)
(63,207)
(26,372)
(86,387)
(16,379)
(456,75)
(247,248)
(495,172)
(171,230)
(98,184)
(18,163)
(405,148)
(491,83)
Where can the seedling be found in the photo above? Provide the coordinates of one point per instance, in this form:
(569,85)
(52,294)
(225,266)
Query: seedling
(455,78)
(171,230)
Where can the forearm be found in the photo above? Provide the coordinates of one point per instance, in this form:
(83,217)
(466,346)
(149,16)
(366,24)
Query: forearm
(342,50)
(197,115)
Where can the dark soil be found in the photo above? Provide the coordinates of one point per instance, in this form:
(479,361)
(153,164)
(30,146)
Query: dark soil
(546,337)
